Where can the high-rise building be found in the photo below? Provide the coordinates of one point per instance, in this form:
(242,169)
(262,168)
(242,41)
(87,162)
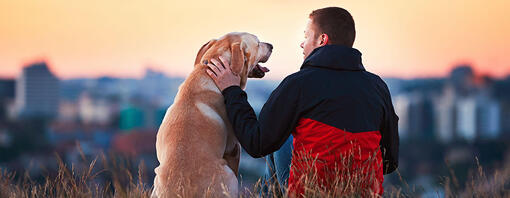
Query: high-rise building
(416,113)
(445,115)
(37,91)
(488,122)
(466,118)
(401,104)
(463,80)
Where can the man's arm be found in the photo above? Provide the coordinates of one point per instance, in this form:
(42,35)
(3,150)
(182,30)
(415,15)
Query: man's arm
(389,133)
(278,117)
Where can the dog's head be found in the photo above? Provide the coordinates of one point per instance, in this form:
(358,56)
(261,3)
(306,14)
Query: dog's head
(244,51)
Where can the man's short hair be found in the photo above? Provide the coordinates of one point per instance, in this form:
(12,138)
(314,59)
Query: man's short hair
(337,23)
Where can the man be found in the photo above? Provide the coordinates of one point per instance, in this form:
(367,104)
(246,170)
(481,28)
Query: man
(333,107)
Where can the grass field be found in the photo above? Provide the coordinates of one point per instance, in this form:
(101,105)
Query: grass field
(118,180)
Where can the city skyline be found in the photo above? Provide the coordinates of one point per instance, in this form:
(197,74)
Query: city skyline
(456,118)
(122,39)
(464,105)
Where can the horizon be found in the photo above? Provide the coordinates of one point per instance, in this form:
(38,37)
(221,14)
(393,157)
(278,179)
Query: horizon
(143,74)
(121,39)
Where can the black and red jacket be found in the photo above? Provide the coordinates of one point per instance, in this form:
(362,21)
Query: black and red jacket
(332,106)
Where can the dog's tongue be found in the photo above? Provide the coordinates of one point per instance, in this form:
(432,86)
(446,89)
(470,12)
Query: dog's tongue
(264,69)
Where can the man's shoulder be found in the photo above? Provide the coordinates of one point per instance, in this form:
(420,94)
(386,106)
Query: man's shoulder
(294,80)
(375,78)
(295,77)
(300,75)
(379,83)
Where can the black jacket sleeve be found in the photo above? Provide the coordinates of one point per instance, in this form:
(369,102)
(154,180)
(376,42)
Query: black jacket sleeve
(389,133)
(277,119)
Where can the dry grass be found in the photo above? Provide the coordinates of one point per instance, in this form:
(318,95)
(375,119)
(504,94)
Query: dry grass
(81,181)
(346,179)
(78,181)
(479,184)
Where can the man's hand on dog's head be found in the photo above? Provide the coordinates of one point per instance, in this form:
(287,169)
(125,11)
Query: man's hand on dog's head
(222,74)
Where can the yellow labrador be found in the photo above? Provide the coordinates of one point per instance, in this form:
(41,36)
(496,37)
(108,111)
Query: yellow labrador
(196,148)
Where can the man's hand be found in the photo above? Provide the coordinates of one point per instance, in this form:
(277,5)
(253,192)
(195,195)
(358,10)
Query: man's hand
(222,74)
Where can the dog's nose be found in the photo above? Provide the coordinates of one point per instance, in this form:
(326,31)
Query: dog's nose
(269,46)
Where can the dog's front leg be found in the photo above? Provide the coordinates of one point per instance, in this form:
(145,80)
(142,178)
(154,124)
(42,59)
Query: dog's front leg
(233,158)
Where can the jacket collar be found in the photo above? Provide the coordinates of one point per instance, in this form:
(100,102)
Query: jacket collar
(336,57)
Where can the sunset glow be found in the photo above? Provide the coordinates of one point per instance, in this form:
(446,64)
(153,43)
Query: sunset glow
(121,38)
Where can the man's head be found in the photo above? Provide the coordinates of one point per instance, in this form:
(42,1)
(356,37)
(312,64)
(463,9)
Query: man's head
(331,25)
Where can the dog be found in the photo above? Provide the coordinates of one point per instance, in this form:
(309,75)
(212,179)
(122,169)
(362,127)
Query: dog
(195,145)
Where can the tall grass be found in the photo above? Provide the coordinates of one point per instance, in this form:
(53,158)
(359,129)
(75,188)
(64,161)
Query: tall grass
(479,184)
(353,176)
(78,180)
(82,181)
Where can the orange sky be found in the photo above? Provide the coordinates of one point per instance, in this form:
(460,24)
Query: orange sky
(122,37)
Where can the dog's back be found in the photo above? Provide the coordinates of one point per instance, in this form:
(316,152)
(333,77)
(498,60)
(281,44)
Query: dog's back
(196,147)
(188,142)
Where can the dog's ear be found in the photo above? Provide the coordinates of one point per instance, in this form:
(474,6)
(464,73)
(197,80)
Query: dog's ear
(237,61)
(204,49)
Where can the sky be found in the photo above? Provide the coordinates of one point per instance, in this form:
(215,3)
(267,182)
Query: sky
(122,38)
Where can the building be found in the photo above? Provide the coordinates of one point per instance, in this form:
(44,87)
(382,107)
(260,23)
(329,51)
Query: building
(6,88)
(37,92)
(131,117)
(462,78)
(466,118)
(445,115)
(95,110)
(501,93)
(416,116)
(489,116)
(6,97)
(401,105)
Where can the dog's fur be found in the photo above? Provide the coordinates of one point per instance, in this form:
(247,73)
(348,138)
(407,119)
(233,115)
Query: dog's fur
(196,147)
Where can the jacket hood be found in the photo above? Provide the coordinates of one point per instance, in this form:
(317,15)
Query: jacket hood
(335,57)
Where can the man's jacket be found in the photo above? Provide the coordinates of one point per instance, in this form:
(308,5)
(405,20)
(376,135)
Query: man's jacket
(334,108)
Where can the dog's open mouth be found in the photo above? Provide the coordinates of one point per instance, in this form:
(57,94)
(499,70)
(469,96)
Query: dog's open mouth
(259,71)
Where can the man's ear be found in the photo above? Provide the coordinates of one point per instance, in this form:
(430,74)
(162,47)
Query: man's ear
(324,39)
(237,61)
(204,49)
